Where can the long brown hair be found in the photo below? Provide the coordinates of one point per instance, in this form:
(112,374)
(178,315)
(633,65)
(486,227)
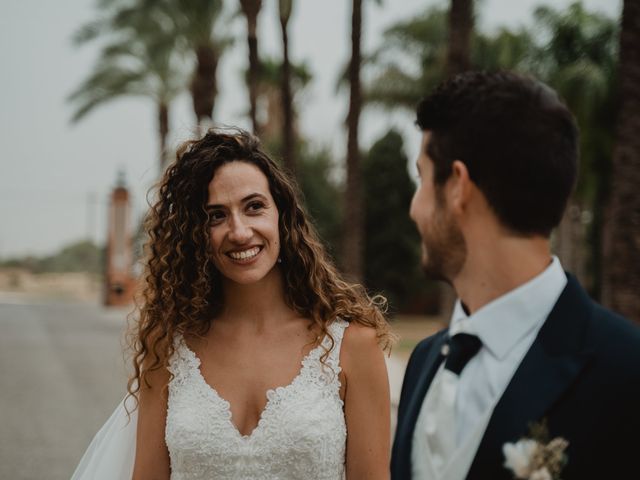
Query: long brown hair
(181,291)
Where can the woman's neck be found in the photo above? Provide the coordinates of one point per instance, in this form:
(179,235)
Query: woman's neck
(257,305)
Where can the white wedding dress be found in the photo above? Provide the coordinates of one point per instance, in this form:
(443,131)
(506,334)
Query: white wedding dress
(301,433)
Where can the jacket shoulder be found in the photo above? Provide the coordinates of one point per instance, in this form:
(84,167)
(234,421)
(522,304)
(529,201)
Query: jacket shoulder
(615,337)
(422,349)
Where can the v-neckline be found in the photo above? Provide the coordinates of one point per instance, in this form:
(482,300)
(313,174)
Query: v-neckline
(268,393)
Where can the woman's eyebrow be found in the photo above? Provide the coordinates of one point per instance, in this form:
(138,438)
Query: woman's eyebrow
(246,199)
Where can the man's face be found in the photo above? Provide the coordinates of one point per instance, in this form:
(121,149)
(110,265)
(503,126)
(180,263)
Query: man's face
(443,246)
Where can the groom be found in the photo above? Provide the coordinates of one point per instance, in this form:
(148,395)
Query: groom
(527,355)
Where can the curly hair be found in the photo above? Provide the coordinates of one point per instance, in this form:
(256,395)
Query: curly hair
(181,290)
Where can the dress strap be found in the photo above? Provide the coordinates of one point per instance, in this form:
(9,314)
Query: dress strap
(183,362)
(336,329)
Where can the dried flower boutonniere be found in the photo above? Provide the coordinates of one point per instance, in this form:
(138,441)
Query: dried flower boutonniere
(536,457)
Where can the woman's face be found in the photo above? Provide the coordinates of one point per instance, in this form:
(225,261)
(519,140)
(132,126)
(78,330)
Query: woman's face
(243,223)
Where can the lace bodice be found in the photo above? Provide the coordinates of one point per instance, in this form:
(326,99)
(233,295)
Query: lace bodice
(301,432)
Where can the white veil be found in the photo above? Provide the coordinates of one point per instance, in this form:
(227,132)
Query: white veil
(111,453)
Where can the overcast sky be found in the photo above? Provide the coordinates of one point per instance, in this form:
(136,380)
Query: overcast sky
(55,177)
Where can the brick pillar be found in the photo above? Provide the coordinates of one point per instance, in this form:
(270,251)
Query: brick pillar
(119,281)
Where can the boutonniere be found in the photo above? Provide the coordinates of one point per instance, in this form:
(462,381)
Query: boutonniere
(536,457)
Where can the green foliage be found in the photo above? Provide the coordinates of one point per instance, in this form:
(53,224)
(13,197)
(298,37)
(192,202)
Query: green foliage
(412,60)
(321,195)
(83,256)
(392,255)
(271,74)
(138,58)
(579,60)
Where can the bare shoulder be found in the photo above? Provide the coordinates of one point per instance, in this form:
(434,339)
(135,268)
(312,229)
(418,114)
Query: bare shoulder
(359,345)
(360,336)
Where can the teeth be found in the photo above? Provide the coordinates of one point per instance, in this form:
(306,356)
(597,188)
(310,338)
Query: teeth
(245,254)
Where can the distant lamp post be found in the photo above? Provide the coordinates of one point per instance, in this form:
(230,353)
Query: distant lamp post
(119,279)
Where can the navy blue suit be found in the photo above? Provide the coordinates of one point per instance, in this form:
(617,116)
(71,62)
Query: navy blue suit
(581,375)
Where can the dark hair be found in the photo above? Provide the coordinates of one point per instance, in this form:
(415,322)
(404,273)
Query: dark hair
(181,291)
(517,139)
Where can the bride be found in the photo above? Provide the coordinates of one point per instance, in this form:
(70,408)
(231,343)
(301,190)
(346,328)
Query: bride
(252,358)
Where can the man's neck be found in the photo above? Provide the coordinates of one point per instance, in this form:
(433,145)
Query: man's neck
(499,265)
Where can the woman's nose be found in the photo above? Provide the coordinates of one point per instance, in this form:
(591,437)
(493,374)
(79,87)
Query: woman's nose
(239,232)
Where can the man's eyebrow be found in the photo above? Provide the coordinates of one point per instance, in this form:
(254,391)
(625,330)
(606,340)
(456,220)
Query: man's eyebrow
(246,199)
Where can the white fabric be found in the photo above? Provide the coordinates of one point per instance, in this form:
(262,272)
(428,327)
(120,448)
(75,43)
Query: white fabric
(301,432)
(111,453)
(507,328)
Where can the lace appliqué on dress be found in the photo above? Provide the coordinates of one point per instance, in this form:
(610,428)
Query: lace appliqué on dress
(301,433)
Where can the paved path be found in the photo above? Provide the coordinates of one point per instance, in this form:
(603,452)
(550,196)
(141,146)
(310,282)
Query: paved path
(61,375)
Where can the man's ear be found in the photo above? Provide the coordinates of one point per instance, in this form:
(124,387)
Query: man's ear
(459,188)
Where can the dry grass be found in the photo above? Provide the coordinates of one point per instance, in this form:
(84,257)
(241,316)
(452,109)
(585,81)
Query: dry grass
(81,287)
(413,328)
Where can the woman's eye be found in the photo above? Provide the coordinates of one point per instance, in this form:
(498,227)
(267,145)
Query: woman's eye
(255,206)
(215,217)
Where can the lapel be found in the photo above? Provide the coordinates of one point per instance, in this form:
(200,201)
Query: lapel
(427,369)
(550,366)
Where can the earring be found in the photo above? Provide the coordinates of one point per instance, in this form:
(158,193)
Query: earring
(279,260)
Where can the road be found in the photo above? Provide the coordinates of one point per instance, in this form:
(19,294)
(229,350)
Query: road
(61,375)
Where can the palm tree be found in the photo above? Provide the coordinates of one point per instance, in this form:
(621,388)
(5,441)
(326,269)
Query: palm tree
(269,90)
(422,42)
(195,23)
(251,9)
(622,240)
(353,219)
(460,29)
(139,60)
(288,151)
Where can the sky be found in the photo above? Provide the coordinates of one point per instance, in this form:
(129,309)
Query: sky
(55,176)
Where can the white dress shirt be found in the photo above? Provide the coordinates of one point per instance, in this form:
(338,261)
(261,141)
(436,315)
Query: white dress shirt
(507,327)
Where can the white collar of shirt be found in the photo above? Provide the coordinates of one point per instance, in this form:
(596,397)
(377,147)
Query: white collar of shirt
(503,322)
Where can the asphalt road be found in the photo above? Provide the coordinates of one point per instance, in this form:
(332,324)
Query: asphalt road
(61,375)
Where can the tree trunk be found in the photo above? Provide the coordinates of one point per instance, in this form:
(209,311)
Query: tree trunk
(353,226)
(460,28)
(251,9)
(204,86)
(621,266)
(163,131)
(288,148)
(570,242)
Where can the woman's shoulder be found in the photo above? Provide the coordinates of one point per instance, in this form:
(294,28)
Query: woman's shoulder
(359,335)
(359,342)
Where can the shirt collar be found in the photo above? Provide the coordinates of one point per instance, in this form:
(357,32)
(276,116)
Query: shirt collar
(503,322)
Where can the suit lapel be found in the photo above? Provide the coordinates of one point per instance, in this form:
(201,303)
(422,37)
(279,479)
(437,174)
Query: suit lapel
(550,366)
(406,427)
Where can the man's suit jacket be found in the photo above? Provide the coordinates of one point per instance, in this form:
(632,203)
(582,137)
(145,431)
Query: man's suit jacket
(581,376)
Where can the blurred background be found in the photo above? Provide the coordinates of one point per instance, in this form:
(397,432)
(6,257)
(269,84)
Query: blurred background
(98,94)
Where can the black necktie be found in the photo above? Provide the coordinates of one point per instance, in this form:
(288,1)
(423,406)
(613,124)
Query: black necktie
(461,348)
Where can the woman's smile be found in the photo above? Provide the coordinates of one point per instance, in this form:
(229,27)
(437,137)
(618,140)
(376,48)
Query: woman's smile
(245,256)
